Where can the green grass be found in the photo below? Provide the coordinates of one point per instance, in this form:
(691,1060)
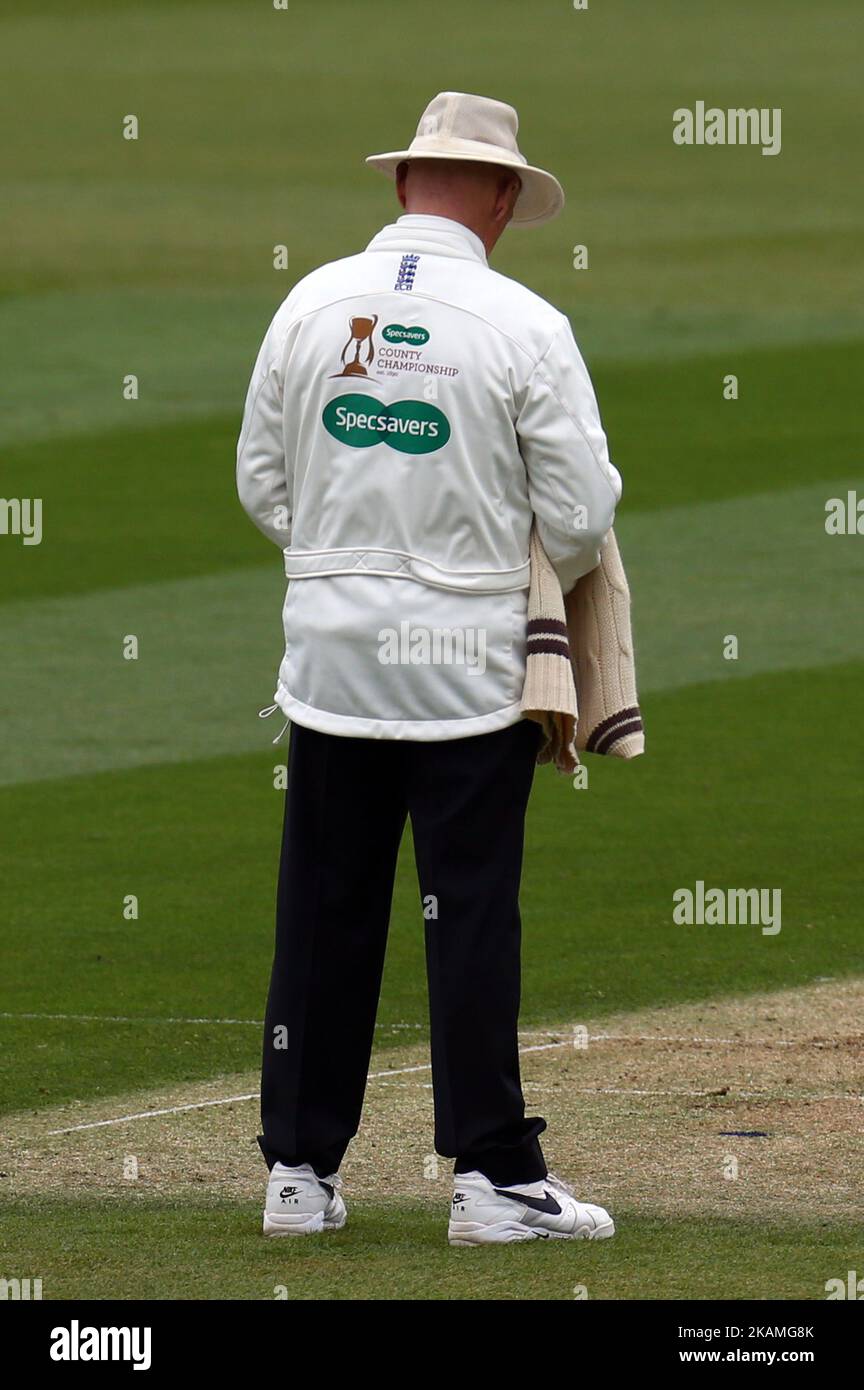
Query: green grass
(133,504)
(147,1249)
(708,803)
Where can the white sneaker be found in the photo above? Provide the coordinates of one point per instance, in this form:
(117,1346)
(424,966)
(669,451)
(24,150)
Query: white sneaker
(299,1203)
(483,1214)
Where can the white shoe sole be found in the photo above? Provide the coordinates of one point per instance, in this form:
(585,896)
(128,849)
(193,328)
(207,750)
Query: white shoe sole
(301,1225)
(507,1232)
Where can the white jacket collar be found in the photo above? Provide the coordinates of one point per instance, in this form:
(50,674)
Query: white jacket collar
(437,236)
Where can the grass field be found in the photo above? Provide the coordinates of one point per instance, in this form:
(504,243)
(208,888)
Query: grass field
(155,777)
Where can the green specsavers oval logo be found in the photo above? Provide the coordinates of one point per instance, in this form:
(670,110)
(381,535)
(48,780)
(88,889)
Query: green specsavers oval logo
(396,333)
(412,427)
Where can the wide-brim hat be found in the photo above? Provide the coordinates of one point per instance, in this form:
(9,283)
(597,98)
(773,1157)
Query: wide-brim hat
(458,125)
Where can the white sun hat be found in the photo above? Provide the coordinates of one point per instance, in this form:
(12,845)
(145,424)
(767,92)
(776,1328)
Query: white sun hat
(457,125)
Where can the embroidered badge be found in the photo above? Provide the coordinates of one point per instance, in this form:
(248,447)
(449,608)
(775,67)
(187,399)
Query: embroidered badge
(407,271)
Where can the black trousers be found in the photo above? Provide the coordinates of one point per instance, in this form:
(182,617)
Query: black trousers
(345,808)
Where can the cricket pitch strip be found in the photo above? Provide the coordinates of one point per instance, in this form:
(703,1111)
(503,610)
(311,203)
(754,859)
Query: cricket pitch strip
(748,1106)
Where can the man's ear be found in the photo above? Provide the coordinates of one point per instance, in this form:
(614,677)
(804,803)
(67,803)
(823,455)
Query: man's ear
(515,190)
(401,180)
(508,191)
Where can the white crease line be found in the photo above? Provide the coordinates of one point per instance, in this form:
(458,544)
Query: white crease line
(725,1042)
(119,1018)
(730,1094)
(427,1066)
(204,1104)
(672,1038)
(392,1027)
(151,1114)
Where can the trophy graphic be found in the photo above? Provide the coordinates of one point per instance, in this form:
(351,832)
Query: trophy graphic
(361,332)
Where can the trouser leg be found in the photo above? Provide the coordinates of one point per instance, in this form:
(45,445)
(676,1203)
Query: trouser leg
(344,816)
(467,800)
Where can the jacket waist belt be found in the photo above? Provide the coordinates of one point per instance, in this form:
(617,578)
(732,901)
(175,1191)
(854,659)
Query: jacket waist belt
(399,564)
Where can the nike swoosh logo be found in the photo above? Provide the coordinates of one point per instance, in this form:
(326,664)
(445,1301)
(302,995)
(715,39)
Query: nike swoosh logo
(545,1203)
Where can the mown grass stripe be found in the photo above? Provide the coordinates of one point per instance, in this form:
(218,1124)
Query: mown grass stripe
(760,568)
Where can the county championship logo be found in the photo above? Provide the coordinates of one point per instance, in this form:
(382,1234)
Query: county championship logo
(398,351)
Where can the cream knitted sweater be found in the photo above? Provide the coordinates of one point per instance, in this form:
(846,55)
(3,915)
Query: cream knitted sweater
(580,677)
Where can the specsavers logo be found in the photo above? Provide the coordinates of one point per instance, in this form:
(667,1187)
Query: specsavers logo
(411,427)
(398,333)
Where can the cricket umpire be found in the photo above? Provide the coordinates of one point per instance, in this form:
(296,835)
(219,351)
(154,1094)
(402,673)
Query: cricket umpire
(410,414)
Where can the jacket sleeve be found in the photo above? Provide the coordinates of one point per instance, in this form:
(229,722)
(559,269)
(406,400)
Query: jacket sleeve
(263,481)
(572,486)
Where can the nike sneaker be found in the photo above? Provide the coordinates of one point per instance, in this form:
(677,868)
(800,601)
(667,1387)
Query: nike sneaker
(482,1214)
(299,1203)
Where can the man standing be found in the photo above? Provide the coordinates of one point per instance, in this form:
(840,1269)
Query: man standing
(410,414)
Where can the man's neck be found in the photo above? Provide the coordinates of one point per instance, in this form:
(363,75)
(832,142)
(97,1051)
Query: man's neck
(446,221)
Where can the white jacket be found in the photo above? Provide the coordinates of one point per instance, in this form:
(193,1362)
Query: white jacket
(409,414)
